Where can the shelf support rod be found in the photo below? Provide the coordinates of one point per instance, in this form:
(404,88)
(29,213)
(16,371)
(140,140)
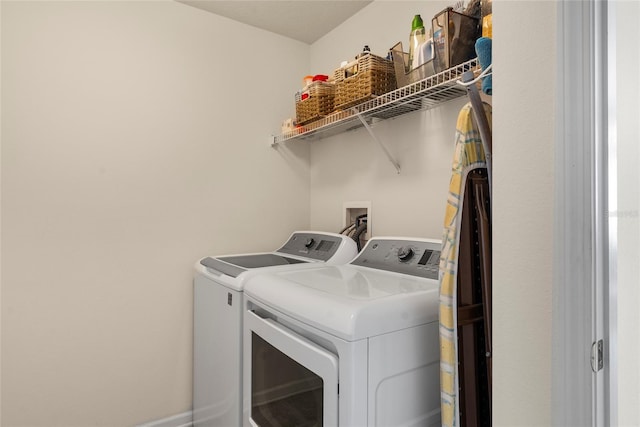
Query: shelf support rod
(366,125)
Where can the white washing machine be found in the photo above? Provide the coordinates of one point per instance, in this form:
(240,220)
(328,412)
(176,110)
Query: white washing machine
(352,345)
(218,307)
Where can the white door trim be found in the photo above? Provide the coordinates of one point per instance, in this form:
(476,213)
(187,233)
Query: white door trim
(580,396)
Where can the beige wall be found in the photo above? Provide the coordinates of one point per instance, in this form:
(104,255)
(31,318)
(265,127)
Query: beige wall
(524,54)
(627,33)
(0,217)
(134,140)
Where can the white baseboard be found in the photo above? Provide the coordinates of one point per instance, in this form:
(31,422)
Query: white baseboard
(184,419)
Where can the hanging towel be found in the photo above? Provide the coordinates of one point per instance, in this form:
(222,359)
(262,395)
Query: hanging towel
(468,155)
(483,50)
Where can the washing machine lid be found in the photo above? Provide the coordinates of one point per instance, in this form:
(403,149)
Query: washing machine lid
(302,248)
(236,264)
(365,298)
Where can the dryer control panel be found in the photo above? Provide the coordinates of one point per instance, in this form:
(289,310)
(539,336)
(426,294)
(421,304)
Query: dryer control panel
(414,257)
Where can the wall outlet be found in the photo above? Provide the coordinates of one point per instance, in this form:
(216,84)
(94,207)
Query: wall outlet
(351,212)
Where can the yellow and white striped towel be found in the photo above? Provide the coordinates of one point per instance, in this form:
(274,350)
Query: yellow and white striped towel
(468,155)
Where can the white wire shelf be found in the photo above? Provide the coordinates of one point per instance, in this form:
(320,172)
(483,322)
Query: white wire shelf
(421,95)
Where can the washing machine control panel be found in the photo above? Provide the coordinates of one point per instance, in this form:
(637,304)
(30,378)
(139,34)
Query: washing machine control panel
(414,257)
(316,246)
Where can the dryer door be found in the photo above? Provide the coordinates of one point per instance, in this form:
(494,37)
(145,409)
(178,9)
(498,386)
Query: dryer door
(289,380)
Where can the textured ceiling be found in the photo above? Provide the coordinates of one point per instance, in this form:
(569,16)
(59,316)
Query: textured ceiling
(303,20)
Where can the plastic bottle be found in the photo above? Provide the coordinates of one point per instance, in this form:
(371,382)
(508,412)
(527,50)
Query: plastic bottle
(425,52)
(365,50)
(416,38)
(487,18)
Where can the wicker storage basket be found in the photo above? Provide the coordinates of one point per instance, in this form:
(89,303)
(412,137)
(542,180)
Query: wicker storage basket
(362,79)
(317,102)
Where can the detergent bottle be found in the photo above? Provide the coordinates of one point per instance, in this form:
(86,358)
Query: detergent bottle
(416,38)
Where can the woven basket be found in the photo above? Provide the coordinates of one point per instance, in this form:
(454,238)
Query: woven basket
(362,79)
(319,103)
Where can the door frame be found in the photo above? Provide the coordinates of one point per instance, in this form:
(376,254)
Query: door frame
(581,312)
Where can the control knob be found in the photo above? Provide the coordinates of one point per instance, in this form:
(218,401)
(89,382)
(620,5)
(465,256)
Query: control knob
(309,242)
(405,253)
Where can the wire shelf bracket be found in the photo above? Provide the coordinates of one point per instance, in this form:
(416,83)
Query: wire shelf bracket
(373,135)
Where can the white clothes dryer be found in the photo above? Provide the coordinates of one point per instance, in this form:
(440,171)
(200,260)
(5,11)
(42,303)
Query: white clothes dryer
(352,345)
(218,307)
